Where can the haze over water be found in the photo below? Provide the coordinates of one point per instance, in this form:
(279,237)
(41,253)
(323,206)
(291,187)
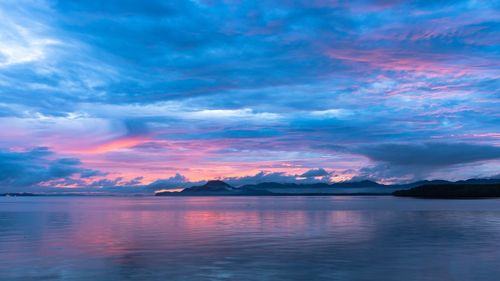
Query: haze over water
(248,238)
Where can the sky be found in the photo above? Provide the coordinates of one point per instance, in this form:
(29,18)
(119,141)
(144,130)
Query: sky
(163,94)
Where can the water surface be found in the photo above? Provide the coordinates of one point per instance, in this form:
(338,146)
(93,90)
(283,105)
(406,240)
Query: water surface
(248,238)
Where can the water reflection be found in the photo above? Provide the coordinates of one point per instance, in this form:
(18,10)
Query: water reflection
(251,238)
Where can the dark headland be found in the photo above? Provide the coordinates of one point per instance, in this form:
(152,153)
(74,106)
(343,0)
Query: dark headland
(452,191)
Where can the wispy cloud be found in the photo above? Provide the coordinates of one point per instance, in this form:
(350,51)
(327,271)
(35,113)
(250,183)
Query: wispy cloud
(214,89)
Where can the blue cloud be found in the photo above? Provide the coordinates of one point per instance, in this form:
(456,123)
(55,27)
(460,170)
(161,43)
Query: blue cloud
(408,162)
(356,75)
(430,154)
(33,167)
(313,173)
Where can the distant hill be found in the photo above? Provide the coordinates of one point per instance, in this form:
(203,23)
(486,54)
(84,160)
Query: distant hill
(215,188)
(452,191)
(444,182)
(364,183)
(365,187)
(220,188)
(479,181)
(266,185)
(420,183)
(213,185)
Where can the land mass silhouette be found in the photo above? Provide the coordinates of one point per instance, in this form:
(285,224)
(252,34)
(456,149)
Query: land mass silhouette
(452,191)
(417,189)
(471,188)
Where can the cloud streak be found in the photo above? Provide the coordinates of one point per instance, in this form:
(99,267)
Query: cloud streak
(219,90)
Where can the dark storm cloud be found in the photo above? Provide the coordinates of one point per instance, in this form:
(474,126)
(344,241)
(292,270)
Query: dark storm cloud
(35,166)
(430,154)
(409,162)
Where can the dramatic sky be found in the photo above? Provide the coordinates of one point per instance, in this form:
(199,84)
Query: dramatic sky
(131,93)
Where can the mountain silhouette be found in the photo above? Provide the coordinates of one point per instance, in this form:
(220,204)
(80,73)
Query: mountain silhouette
(212,185)
(218,188)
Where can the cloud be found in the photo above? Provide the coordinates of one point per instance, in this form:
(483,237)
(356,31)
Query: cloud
(37,166)
(310,176)
(405,162)
(134,182)
(180,181)
(176,181)
(106,183)
(260,177)
(118,184)
(430,154)
(88,173)
(23,41)
(130,87)
(117,8)
(313,173)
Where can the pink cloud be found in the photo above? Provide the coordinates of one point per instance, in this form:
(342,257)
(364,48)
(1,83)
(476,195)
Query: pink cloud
(403,60)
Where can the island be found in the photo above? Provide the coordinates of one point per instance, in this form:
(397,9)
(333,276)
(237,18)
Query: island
(214,188)
(452,191)
(18,194)
(221,188)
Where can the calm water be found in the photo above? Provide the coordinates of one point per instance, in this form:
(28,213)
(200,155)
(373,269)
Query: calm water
(248,238)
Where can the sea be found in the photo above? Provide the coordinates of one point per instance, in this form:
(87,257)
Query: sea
(248,238)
